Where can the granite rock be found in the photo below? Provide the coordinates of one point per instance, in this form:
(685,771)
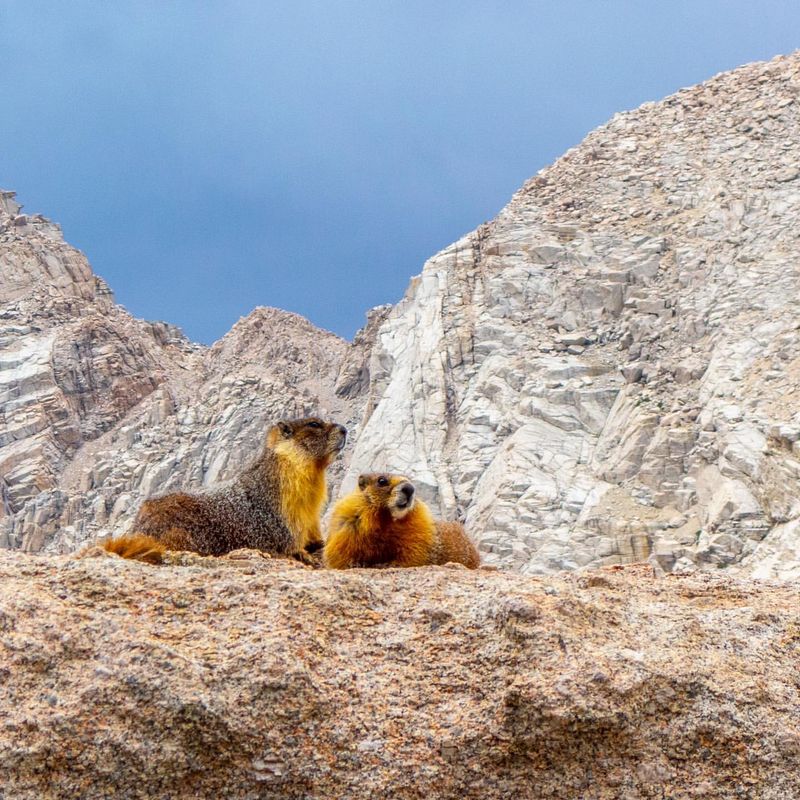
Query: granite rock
(628,321)
(250,677)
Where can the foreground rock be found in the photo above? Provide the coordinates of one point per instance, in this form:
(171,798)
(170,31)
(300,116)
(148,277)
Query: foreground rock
(255,678)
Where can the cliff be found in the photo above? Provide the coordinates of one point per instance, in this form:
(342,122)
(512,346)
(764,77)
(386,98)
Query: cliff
(608,371)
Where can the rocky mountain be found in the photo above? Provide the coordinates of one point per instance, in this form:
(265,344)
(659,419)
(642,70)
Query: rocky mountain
(608,371)
(99,410)
(246,677)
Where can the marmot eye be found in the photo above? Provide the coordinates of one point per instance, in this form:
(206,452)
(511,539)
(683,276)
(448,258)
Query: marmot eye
(314,425)
(383,481)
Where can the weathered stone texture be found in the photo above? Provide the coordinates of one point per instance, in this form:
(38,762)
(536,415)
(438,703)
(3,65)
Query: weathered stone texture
(247,677)
(628,322)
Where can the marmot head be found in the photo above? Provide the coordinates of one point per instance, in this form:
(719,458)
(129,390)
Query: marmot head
(310,436)
(395,493)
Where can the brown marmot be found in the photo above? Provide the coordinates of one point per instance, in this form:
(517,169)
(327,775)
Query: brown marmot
(274,505)
(384,524)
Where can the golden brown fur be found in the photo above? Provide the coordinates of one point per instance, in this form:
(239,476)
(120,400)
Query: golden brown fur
(274,505)
(138,547)
(383,524)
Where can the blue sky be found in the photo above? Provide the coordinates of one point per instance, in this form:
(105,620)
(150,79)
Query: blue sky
(209,157)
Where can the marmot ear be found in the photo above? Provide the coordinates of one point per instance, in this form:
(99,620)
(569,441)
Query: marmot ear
(362,481)
(286,429)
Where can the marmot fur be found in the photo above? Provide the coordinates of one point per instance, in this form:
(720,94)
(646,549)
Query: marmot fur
(384,524)
(274,505)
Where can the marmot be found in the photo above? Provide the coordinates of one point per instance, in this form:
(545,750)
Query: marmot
(383,524)
(274,505)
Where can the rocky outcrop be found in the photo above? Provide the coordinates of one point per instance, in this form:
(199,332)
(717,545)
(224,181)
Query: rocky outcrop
(247,677)
(608,370)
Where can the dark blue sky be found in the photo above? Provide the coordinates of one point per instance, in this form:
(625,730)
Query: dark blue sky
(209,157)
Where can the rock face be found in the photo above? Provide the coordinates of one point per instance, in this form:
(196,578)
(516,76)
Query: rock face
(610,370)
(607,372)
(247,677)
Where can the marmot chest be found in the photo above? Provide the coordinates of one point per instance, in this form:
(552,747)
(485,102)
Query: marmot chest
(303,492)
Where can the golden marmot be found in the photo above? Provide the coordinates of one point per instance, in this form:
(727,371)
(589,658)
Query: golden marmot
(383,524)
(274,505)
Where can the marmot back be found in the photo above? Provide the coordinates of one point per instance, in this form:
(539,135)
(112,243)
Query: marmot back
(383,524)
(274,505)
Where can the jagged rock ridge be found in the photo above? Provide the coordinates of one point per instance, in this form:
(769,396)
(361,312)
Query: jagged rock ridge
(99,409)
(606,372)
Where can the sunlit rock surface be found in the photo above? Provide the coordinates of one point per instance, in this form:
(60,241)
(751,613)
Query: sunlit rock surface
(247,677)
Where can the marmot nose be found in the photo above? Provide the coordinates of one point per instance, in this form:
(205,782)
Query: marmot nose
(407,489)
(342,430)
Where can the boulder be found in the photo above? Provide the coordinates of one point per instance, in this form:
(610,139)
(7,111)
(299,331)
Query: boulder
(248,677)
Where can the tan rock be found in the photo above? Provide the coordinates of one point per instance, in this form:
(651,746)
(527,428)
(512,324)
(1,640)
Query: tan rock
(248,677)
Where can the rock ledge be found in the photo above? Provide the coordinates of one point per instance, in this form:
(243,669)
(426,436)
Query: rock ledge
(251,677)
